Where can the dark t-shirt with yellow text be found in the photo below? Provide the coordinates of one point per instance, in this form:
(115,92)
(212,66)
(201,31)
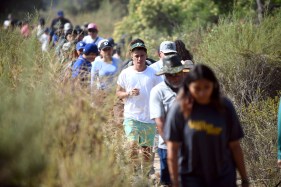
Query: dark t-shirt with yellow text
(204,138)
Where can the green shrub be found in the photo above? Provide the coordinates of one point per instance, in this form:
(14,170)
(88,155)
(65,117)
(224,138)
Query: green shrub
(260,142)
(245,56)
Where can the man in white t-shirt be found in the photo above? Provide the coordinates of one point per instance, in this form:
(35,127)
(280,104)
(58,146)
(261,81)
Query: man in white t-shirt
(166,48)
(134,85)
(92,36)
(162,98)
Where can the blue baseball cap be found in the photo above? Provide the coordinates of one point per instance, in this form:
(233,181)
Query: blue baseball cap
(90,48)
(80,45)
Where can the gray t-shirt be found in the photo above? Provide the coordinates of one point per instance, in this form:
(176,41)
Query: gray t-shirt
(204,139)
(162,98)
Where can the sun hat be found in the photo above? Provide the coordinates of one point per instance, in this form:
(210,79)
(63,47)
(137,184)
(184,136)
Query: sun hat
(168,47)
(92,26)
(104,44)
(188,65)
(80,45)
(171,65)
(90,48)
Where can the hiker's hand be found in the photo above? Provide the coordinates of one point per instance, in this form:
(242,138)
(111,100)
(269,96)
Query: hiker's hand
(279,163)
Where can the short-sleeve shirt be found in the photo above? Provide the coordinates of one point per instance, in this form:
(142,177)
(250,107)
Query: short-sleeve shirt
(81,67)
(204,139)
(157,66)
(137,107)
(162,98)
(105,72)
(88,39)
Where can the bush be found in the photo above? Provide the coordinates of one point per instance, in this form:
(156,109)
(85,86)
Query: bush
(260,142)
(245,56)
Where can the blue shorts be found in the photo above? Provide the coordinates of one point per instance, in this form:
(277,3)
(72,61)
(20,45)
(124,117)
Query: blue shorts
(142,133)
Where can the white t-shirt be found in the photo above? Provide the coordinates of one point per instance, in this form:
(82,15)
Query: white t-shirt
(157,67)
(137,107)
(88,39)
(44,39)
(161,100)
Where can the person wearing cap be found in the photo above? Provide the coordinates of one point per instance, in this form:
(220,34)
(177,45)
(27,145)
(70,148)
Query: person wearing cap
(92,36)
(82,66)
(130,62)
(166,48)
(79,48)
(133,86)
(104,68)
(162,97)
(59,21)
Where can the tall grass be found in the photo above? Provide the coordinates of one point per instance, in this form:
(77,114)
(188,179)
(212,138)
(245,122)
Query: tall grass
(51,133)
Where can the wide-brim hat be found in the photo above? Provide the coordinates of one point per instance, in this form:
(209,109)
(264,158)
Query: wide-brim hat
(171,65)
(188,65)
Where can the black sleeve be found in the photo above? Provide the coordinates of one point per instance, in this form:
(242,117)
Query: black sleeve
(234,127)
(173,130)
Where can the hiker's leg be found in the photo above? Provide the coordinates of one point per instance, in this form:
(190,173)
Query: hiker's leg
(132,136)
(164,171)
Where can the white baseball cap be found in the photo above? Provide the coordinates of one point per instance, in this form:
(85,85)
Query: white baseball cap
(168,47)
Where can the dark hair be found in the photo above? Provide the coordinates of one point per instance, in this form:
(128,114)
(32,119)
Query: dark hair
(201,71)
(182,51)
(137,41)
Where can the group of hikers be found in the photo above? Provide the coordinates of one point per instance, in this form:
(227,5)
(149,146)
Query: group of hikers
(172,99)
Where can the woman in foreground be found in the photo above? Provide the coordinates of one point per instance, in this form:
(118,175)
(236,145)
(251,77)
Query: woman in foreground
(202,131)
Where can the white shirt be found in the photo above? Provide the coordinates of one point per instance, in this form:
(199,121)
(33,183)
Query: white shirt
(137,107)
(157,66)
(88,39)
(44,39)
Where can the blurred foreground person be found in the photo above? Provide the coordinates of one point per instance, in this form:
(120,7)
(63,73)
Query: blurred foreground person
(203,128)
(279,136)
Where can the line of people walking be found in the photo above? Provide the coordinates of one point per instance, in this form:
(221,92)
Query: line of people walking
(180,103)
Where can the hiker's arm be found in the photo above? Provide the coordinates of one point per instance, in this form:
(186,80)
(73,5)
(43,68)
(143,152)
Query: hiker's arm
(121,92)
(172,159)
(237,154)
(160,125)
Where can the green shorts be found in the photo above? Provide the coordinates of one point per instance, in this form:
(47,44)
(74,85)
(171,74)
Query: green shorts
(142,133)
